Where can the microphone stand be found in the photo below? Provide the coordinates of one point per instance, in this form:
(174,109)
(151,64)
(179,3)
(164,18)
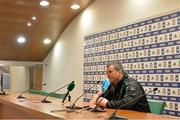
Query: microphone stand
(22,97)
(114,116)
(46,101)
(70,88)
(62,110)
(74,104)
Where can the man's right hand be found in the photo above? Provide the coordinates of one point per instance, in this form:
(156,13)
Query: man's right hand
(94,99)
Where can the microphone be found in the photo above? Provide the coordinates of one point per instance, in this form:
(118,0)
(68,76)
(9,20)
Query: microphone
(74,104)
(20,96)
(45,101)
(114,116)
(105,85)
(69,88)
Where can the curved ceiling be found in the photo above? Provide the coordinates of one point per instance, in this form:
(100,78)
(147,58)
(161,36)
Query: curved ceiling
(50,23)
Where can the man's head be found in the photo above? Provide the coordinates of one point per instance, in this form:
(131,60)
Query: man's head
(115,72)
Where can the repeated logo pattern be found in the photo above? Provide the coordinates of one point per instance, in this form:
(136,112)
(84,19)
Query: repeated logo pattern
(149,51)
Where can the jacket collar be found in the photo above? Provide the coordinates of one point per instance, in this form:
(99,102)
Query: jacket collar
(123,79)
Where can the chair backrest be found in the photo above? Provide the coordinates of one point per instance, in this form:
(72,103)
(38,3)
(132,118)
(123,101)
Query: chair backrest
(57,95)
(156,107)
(35,91)
(39,92)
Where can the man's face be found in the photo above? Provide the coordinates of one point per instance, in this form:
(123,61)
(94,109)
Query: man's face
(113,75)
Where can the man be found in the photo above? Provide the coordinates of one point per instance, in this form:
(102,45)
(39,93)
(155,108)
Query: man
(122,89)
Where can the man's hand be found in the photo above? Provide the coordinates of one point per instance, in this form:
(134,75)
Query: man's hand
(102,102)
(93,101)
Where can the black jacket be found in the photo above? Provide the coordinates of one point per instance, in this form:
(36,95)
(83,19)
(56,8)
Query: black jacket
(126,90)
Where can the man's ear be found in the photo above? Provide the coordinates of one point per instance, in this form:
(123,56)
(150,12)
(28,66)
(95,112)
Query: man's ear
(119,72)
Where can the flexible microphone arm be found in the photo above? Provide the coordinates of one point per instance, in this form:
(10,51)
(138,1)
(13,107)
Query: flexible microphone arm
(20,96)
(76,107)
(45,101)
(113,116)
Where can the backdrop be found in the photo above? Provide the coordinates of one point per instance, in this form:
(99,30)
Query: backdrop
(149,50)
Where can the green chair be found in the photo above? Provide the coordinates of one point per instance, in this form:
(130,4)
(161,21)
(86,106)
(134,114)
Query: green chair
(56,95)
(43,93)
(156,107)
(39,92)
(35,91)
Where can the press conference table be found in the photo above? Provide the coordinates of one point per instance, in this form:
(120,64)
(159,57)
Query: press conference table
(32,108)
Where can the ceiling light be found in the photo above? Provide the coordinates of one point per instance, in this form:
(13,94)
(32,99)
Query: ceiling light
(44,3)
(34,18)
(75,6)
(28,24)
(47,41)
(21,40)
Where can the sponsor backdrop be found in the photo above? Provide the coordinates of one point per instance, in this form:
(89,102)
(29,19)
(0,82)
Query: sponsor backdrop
(149,51)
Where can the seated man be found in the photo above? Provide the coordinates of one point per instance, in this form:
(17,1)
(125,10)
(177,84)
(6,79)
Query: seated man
(121,90)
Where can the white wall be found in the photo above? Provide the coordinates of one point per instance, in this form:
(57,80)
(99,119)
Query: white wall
(65,61)
(19,78)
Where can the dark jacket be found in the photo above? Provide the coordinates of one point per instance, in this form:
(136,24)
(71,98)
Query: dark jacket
(126,90)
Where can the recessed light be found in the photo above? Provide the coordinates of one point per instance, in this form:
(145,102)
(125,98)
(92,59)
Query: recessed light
(75,6)
(47,41)
(28,24)
(44,3)
(34,18)
(21,40)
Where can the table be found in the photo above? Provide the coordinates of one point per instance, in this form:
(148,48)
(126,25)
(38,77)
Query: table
(32,108)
